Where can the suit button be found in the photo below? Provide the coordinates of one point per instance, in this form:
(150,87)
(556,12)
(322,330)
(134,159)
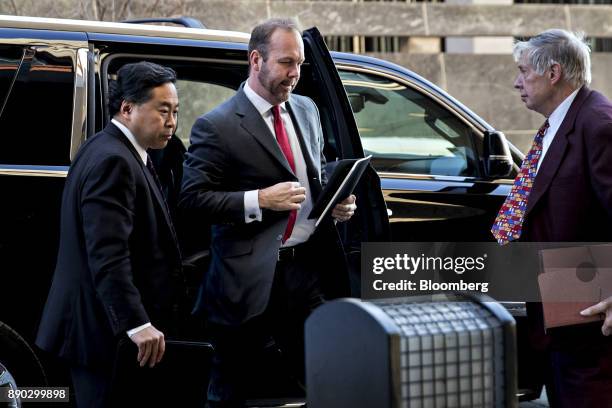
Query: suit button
(279,237)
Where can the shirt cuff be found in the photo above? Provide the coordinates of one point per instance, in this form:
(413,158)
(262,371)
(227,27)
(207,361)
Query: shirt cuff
(135,330)
(252,212)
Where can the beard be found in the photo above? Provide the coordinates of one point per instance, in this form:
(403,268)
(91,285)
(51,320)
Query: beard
(279,90)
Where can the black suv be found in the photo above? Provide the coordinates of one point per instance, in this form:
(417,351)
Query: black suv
(444,171)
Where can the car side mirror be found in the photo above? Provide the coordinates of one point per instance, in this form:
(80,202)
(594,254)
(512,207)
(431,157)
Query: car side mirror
(497,158)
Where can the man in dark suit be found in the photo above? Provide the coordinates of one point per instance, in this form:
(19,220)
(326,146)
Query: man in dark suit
(564,193)
(255,167)
(118,268)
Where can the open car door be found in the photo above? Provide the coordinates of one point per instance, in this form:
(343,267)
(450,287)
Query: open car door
(371,222)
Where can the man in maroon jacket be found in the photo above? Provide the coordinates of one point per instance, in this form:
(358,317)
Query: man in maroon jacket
(563,193)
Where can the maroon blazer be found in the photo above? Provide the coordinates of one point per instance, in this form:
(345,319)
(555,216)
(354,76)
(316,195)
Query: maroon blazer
(571,200)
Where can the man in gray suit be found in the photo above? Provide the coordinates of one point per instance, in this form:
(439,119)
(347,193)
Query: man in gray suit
(255,167)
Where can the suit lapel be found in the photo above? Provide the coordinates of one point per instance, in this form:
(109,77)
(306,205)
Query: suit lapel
(157,193)
(302,126)
(552,160)
(254,124)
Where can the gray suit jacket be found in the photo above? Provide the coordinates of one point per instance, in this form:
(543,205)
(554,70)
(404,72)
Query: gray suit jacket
(232,151)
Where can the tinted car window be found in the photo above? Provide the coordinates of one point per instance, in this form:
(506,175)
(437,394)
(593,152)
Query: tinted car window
(406,131)
(197,98)
(36,93)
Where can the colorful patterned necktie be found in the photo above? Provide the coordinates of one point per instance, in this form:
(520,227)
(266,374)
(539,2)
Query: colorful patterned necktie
(509,222)
(283,142)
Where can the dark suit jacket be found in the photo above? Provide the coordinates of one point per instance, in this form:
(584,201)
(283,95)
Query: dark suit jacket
(118,263)
(232,151)
(571,200)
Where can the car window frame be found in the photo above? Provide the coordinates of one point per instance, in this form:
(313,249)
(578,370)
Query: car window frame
(75,43)
(106,60)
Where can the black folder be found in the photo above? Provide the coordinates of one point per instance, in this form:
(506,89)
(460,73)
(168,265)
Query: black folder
(340,185)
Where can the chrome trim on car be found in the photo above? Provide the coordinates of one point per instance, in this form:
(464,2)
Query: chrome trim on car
(37,171)
(61,43)
(432,177)
(38,23)
(79,113)
(436,177)
(107,59)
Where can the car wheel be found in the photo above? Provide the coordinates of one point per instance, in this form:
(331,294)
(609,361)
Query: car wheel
(8,382)
(19,365)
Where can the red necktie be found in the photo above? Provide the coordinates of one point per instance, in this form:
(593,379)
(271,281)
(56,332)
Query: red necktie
(283,142)
(509,222)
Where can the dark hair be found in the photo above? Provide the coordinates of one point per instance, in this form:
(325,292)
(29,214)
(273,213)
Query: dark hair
(260,36)
(134,83)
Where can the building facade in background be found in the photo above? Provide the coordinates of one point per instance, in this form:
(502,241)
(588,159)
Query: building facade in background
(463,46)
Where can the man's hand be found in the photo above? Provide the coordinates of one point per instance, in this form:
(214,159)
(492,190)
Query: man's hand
(603,307)
(151,346)
(282,196)
(344,210)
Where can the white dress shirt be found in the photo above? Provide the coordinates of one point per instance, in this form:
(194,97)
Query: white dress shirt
(303,226)
(142,152)
(554,122)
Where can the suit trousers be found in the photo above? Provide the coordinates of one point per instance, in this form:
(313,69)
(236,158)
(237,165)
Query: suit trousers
(123,382)
(91,386)
(264,357)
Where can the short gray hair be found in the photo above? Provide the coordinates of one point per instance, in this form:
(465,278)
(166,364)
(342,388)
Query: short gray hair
(260,36)
(565,48)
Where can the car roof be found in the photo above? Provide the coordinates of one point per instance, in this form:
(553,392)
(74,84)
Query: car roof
(57,24)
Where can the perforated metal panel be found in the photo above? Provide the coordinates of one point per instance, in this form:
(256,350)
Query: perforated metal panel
(410,354)
(449,353)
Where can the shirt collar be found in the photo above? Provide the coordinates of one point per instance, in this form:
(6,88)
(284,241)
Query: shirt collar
(142,152)
(262,106)
(556,118)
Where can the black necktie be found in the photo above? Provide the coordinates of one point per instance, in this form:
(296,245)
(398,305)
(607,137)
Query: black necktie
(178,277)
(151,169)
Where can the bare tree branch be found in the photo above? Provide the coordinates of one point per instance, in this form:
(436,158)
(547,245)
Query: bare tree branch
(83,9)
(95,9)
(122,12)
(152,9)
(175,9)
(15,8)
(101,9)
